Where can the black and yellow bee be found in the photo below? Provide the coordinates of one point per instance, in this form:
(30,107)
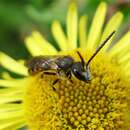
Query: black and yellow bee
(64,65)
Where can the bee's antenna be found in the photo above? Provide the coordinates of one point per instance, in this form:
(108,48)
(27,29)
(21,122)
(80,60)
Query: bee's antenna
(100,47)
(82,60)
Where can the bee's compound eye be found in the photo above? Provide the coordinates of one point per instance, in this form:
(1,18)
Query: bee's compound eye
(77,69)
(80,72)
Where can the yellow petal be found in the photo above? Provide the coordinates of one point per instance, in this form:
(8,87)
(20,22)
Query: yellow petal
(126,68)
(124,59)
(122,45)
(113,25)
(12,124)
(59,35)
(82,31)
(12,65)
(10,107)
(6,75)
(96,27)
(37,45)
(11,114)
(47,48)
(32,47)
(72,19)
(13,83)
(7,92)
(21,61)
(11,98)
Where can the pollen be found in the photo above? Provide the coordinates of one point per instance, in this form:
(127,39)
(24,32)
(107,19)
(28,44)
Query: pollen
(100,104)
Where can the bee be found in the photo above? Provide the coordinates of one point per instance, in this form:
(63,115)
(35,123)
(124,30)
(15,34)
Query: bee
(64,66)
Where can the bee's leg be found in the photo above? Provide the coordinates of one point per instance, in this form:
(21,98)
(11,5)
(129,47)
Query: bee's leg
(51,73)
(69,75)
(55,81)
(48,73)
(70,78)
(59,71)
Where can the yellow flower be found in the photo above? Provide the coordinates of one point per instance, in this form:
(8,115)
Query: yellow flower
(102,104)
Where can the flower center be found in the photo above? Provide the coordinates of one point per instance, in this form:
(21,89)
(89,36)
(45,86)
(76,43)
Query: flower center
(98,105)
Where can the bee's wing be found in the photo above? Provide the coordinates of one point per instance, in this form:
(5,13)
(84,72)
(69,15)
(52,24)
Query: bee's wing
(42,60)
(53,60)
(33,61)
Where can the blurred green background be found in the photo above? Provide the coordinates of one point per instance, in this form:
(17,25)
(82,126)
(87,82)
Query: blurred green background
(19,18)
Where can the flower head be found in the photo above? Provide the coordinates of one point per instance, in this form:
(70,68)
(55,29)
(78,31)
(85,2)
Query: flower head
(102,104)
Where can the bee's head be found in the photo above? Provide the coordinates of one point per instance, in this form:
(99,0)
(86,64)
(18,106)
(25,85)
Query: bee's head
(81,69)
(80,72)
